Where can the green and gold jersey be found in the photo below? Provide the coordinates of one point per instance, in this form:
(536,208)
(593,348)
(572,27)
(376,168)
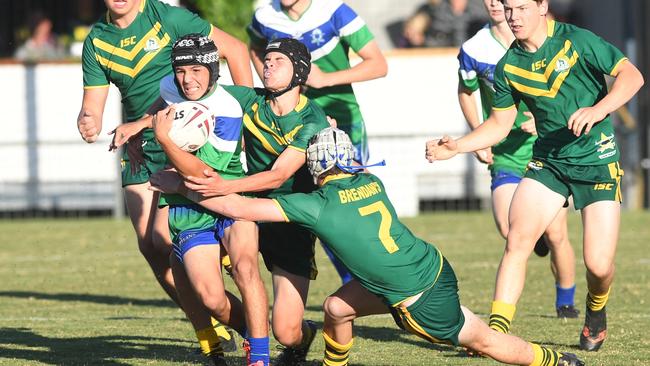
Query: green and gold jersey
(353,215)
(136,58)
(267,135)
(566,73)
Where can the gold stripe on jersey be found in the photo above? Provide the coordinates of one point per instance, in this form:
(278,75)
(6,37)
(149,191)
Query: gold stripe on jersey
(542,78)
(615,68)
(284,215)
(130,55)
(296,148)
(302,102)
(557,83)
(503,108)
(550,27)
(97,86)
(132,72)
(250,126)
(258,122)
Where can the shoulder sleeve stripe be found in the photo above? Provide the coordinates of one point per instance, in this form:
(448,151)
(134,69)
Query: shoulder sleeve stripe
(95,86)
(281,210)
(615,68)
(503,108)
(343,16)
(296,148)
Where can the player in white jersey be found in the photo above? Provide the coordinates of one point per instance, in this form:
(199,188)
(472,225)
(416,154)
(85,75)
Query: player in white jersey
(508,159)
(329,28)
(197,234)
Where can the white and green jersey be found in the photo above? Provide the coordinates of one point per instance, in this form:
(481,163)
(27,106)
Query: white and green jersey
(478,58)
(136,58)
(329,28)
(223,149)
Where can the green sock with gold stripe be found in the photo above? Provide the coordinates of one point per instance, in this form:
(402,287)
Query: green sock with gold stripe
(501,316)
(336,354)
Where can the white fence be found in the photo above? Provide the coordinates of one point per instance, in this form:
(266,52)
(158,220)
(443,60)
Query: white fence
(46,165)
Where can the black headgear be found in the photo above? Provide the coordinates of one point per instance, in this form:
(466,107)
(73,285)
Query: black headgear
(197,49)
(299,56)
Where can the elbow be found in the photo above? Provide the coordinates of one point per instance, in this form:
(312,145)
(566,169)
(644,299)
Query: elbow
(382,68)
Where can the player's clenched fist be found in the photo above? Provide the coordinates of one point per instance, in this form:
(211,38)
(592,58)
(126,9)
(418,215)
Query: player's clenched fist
(442,149)
(87,126)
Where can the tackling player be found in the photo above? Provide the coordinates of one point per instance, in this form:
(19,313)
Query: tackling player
(328,29)
(557,70)
(130,47)
(508,159)
(394,271)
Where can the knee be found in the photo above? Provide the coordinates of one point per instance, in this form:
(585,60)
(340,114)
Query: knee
(213,300)
(288,333)
(556,239)
(503,229)
(519,245)
(601,269)
(245,271)
(336,309)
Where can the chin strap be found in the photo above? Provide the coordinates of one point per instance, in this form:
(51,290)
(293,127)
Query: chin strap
(355,168)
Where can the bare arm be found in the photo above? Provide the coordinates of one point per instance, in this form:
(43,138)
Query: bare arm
(257,56)
(289,161)
(236,54)
(243,208)
(89,121)
(470,111)
(486,134)
(372,66)
(628,82)
(232,205)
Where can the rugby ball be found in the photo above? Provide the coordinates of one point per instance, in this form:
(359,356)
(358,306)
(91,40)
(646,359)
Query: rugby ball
(192,126)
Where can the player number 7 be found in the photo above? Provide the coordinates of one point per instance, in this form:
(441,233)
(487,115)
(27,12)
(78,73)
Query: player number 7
(384,226)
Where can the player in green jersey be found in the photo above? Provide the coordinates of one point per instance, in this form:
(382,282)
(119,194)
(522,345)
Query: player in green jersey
(278,123)
(394,271)
(507,160)
(557,70)
(328,28)
(130,48)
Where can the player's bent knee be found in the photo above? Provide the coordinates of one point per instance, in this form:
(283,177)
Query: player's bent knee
(288,335)
(245,271)
(336,308)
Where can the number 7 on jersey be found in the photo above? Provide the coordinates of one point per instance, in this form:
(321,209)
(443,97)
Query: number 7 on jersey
(384,226)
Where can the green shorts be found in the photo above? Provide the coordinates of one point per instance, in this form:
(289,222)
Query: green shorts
(290,247)
(436,316)
(155,159)
(586,183)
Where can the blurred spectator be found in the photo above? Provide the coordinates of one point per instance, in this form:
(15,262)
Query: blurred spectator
(42,44)
(443,23)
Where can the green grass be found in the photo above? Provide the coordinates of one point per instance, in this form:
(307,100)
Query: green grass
(76,292)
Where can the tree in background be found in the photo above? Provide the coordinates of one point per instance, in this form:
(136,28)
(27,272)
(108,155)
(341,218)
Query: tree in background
(231,16)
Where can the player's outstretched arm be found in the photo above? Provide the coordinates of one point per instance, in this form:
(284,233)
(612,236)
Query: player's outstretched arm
(232,205)
(184,162)
(372,66)
(628,82)
(236,54)
(289,161)
(89,121)
(487,134)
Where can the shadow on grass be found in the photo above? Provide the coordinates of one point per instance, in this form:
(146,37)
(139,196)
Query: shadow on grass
(24,344)
(96,299)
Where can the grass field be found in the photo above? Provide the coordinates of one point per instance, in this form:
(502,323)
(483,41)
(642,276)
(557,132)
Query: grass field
(76,292)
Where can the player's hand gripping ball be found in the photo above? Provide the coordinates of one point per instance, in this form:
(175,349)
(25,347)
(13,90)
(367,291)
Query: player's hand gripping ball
(193,123)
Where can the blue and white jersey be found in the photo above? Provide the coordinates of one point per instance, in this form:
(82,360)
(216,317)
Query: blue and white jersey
(478,57)
(224,145)
(320,28)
